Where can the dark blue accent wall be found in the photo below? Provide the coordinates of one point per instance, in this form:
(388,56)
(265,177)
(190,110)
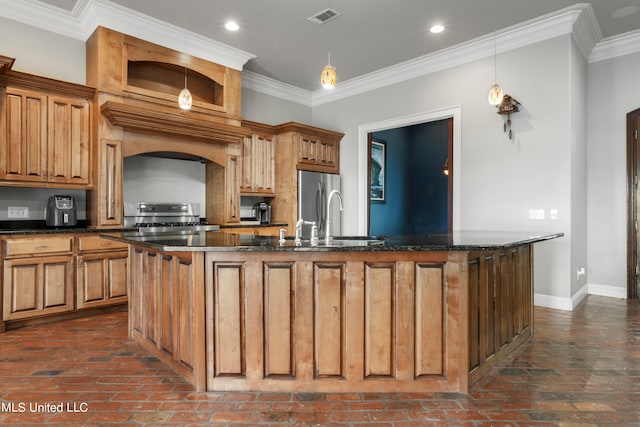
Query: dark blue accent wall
(416,189)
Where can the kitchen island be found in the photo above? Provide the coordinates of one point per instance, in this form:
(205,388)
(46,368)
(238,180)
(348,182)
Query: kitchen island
(239,312)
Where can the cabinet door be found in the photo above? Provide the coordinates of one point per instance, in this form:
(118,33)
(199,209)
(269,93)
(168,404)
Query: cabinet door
(308,150)
(329,154)
(68,140)
(232,182)
(110,183)
(257,165)
(23,146)
(37,286)
(265,165)
(101,279)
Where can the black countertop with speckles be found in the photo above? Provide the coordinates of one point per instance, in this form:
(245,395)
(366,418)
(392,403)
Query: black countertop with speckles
(217,241)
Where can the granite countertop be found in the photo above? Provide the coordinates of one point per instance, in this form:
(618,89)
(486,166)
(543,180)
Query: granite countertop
(20,228)
(218,241)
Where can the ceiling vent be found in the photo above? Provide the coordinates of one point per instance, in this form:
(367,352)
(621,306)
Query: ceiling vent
(324,16)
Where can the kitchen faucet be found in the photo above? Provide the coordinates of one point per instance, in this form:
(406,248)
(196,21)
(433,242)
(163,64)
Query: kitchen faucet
(314,232)
(328,236)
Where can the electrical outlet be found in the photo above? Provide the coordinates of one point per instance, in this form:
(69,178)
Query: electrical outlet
(18,212)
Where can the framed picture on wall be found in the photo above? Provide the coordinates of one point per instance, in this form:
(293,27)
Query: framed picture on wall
(377,164)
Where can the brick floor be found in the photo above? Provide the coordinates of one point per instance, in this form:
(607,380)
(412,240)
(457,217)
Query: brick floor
(581,369)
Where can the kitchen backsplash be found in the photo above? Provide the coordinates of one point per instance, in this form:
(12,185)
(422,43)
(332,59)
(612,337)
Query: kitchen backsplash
(155,179)
(35,200)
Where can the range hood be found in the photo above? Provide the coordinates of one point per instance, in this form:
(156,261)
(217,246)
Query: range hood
(141,119)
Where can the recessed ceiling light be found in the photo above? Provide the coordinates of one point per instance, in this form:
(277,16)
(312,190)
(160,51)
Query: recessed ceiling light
(437,29)
(232,26)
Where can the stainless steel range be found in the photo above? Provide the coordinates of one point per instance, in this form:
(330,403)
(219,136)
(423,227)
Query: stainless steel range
(165,218)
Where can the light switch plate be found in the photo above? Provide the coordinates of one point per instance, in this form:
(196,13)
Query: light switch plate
(536,213)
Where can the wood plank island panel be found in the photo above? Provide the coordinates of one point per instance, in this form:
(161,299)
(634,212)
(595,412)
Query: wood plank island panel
(293,321)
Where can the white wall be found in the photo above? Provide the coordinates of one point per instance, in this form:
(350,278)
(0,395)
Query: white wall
(614,91)
(578,97)
(501,179)
(43,53)
(164,180)
(267,109)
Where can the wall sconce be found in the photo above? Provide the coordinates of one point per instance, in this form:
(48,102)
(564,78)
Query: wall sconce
(506,107)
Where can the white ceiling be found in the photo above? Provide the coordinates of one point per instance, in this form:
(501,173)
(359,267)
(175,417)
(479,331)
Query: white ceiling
(370,34)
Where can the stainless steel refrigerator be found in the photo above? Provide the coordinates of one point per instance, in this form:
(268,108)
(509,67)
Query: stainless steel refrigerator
(313,190)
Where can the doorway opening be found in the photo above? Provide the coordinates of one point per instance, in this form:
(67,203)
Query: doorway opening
(410,179)
(452,115)
(633,205)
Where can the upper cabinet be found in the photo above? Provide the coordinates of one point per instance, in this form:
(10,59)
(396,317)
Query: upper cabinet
(258,152)
(148,78)
(46,132)
(315,149)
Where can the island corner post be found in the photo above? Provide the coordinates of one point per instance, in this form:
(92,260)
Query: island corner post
(325,321)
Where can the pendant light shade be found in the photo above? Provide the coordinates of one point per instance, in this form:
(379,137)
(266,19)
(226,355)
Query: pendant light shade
(328,77)
(495,95)
(184,99)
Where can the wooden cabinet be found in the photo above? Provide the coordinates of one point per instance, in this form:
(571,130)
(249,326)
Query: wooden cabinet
(258,152)
(166,309)
(257,166)
(101,272)
(313,149)
(46,132)
(318,154)
(24,146)
(106,200)
(68,139)
(60,273)
(232,183)
(223,191)
(37,277)
(256,231)
(300,147)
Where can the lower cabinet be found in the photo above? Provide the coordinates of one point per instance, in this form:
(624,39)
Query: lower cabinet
(36,286)
(255,231)
(101,279)
(61,273)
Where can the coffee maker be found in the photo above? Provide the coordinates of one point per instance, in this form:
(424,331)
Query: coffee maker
(263,212)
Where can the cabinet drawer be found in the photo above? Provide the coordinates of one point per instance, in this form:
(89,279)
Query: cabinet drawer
(41,245)
(97,243)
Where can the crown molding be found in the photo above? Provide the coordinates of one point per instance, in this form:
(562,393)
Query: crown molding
(87,15)
(529,32)
(577,20)
(586,31)
(268,86)
(613,47)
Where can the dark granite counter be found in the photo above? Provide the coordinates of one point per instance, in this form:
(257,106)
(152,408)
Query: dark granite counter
(218,241)
(19,228)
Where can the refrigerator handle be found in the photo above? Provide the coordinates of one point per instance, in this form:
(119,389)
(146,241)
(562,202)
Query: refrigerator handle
(319,203)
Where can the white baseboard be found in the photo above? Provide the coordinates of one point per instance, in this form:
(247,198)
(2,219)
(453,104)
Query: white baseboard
(607,290)
(550,301)
(569,304)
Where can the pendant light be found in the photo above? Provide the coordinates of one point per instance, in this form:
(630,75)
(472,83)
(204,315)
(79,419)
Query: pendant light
(328,77)
(495,93)
(185,99)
